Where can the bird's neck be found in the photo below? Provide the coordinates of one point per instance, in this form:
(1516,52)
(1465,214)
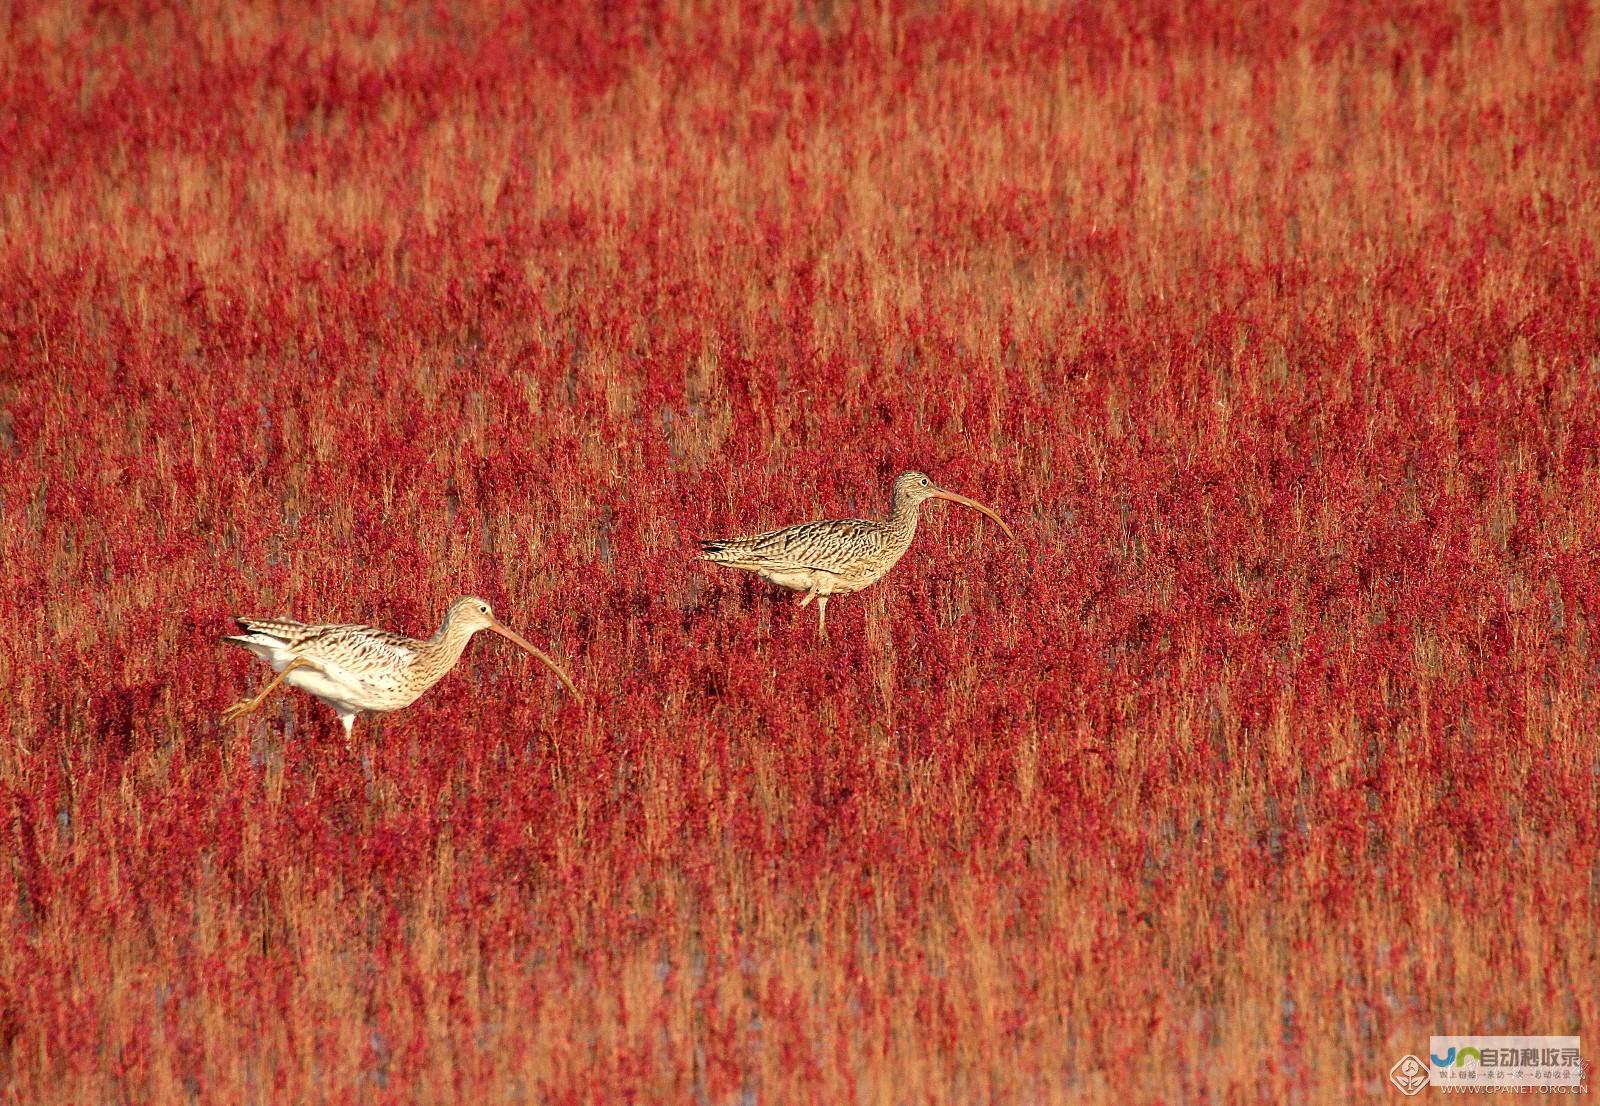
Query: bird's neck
(445,647)
(902,521)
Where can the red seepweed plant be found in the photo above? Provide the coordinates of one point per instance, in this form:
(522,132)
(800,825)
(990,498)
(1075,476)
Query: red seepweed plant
(1271,330)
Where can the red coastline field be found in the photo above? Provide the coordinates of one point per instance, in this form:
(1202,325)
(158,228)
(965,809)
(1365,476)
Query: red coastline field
(1272,329)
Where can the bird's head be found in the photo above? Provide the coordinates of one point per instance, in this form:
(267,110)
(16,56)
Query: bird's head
(472,614)
(469,614)
(912,488)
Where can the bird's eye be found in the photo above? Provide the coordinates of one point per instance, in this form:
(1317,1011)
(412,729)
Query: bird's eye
(924,481)
(483,608)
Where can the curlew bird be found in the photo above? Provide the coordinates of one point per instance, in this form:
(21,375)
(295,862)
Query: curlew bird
(837,556)
(356,669)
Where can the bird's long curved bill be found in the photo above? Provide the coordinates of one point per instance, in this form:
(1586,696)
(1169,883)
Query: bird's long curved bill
(511,635)
(940,493)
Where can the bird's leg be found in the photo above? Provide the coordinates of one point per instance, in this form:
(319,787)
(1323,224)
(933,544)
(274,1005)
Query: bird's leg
(822,616)
(348,721)
(807,598)
(245,706)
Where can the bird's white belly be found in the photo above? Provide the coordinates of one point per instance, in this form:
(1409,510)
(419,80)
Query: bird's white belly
(806,579)
(793,579)
(344,695)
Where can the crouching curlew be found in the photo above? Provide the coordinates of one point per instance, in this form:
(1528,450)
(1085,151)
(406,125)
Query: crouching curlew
(837,556)
(356,669)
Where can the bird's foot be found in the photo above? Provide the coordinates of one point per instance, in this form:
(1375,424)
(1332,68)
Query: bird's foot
(239,710)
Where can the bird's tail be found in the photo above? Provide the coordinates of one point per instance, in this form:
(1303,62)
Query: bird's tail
(724,550)
(264,635)
(260,646)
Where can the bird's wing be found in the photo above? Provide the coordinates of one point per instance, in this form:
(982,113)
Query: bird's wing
(360,655)
(377,658)
(830,546)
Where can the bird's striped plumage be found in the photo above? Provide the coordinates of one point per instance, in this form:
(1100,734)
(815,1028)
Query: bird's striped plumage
(836,556)
(838,546)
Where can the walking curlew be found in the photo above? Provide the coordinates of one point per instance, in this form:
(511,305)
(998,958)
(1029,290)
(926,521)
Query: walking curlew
(358,668)
(837,556)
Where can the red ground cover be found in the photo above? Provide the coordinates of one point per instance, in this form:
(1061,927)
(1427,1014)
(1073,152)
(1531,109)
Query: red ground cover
(1272,329)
